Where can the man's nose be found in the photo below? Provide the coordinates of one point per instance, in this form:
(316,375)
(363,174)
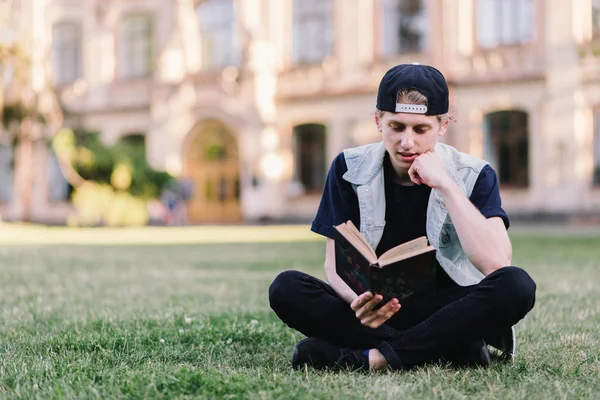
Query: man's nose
(407,141)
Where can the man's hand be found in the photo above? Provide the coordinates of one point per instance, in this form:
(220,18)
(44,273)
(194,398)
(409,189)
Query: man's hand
(364,305)
(428,169)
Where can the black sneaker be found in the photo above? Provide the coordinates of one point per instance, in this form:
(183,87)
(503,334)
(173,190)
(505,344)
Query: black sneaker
(475,354)
(320,354)
(505,342)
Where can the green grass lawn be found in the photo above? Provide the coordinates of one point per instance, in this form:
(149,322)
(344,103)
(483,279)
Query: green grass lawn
(183,313)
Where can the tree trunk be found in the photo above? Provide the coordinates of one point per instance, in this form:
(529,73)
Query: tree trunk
(68,172)
(24,165)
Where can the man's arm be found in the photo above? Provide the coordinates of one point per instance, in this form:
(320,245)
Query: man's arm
(340,287)
(484,241)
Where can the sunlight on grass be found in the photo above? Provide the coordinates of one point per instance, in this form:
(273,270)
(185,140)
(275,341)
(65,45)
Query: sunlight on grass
(30,234)
(11,234)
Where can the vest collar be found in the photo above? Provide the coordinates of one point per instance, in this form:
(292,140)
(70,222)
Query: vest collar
(368,165)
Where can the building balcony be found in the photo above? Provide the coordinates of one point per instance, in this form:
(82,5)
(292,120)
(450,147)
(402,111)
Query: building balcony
(116,96)
(222,81)
(500,64)
(329,78)
(129,94)
(589,56)
(324,79)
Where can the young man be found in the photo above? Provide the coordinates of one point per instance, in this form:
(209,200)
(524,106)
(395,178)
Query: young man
(404,187)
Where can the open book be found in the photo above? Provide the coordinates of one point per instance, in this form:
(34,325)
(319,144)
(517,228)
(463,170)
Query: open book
(400,272)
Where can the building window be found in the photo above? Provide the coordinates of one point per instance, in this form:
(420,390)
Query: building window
(218,38)
(596,179)
(66,52)
(506,146)
(596,19)
(14,5)
(505,22)
(6,173)
(312,35)
(309,156)
(403,26)
(137,49)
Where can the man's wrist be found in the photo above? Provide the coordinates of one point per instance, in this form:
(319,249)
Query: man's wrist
(449,188)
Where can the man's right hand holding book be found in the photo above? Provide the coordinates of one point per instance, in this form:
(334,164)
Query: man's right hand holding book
(364,306)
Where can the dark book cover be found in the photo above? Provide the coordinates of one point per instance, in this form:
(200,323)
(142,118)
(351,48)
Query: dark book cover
(401,279)
(350,265)
(404,278)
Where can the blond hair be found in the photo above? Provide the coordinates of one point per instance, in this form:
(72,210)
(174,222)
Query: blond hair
(411,96)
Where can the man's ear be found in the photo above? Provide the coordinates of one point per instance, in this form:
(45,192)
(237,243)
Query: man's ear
(443,127)
(378,122)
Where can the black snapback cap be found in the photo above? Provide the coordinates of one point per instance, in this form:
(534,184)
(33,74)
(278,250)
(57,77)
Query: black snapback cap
(423,78)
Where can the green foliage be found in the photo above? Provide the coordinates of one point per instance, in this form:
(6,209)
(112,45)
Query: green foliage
(14,112)
(98,162)
(193,321)
(146,182)
(214,152)
(119,178)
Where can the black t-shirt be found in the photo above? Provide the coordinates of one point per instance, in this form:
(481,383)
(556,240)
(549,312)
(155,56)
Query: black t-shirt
(406,206)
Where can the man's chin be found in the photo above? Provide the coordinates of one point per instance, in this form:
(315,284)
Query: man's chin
(404,163)
(402,166)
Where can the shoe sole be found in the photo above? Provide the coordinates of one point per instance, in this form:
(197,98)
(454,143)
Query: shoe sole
(506,349)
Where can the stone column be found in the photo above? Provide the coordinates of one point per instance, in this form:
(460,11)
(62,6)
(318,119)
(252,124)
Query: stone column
(561,132)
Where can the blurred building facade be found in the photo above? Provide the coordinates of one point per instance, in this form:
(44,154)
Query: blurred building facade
(250,100)
(32,187)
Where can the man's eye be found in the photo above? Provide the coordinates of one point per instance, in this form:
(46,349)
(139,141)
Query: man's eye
(397,127)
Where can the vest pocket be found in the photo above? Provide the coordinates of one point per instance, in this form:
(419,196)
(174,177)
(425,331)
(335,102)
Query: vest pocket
(449,245)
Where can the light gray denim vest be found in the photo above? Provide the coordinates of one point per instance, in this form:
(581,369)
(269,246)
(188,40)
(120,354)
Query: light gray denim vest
(365,173)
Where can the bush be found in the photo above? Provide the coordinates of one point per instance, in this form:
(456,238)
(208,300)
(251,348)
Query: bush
(100,204)
(119,180)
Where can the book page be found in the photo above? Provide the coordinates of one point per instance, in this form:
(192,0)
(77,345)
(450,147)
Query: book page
(354,230)
(360,237)
(399,257)
(348,229)
(397,252)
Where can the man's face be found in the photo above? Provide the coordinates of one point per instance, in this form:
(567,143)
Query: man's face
(406,136)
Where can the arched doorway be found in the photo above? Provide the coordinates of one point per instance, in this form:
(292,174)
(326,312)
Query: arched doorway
(212,164)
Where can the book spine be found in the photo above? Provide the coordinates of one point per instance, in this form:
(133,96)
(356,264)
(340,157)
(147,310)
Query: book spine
(375,278)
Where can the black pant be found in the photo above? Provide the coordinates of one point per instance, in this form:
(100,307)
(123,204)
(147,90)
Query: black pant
(424,330)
